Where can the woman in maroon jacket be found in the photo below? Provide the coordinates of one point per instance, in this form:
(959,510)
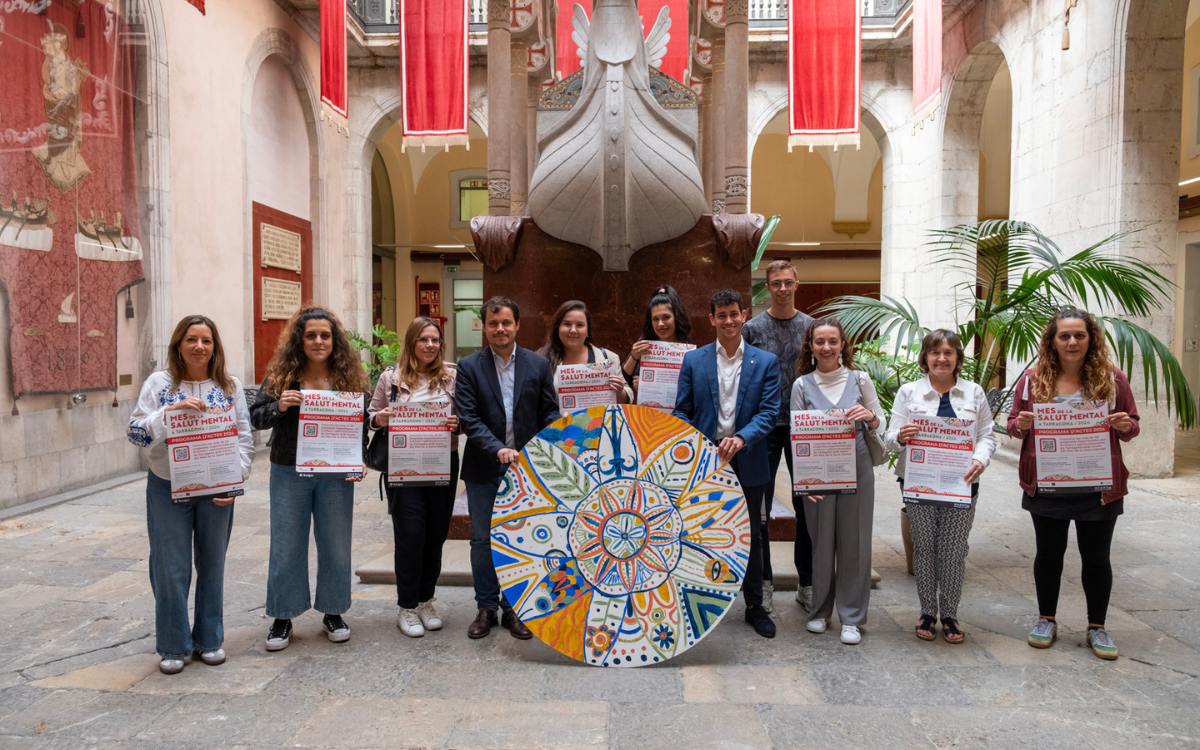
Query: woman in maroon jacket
(1073,365)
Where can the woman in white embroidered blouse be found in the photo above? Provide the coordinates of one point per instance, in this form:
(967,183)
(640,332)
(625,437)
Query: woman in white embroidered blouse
(195,379)
(940,531)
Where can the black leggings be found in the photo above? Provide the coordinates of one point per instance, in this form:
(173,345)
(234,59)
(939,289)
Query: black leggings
(1095,540)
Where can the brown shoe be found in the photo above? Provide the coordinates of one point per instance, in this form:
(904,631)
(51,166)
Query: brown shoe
(485,620)
(514,625)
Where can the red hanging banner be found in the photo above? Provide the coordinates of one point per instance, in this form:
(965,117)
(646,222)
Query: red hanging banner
(199,5)
(824,72)
(333,56)
(433,72)
(675,62)
(927,58)
(566,50)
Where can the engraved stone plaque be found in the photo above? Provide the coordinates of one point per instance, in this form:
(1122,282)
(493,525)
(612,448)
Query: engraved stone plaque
(279,248)
(280,299)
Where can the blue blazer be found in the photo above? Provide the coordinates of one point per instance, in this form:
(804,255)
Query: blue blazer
(697,403)
(480,408)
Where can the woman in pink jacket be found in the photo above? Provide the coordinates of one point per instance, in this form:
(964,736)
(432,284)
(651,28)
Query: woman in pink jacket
(1073,365)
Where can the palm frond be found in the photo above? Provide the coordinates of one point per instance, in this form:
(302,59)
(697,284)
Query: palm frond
(1129,340)
(869,318)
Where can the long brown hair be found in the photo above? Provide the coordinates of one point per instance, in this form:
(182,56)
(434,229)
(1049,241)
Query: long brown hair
(408,368)
(177,368)
(346,371)
(553,349)
(1096,375)
(806,360)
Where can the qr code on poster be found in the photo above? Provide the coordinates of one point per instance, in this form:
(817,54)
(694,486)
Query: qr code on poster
(1048,445)
(181,453)
(647,376)
(400,441)
(568,402)
(917,456)
(802,450)
(310,430)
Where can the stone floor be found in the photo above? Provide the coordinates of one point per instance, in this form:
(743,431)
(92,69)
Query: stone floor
(77,667)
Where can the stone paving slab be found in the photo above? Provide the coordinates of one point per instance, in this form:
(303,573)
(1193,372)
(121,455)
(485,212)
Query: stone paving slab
(77,667)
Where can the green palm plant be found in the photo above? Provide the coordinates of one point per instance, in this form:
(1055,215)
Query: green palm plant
(1017,279)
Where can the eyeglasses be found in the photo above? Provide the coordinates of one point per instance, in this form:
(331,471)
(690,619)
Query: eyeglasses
(429,341)
(777,285)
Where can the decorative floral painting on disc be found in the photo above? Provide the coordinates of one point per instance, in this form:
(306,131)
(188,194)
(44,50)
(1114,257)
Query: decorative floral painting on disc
(618,537)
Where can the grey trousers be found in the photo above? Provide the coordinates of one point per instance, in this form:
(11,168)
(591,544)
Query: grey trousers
(840,527)
(940,555)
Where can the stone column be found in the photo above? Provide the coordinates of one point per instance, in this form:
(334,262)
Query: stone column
(706,138)
(735,108)
(716,168)
(531,102)
(499,102)
(519,116)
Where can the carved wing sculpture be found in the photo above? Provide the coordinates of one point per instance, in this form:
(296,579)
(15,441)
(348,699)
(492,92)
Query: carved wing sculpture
(617,173)
(656,43)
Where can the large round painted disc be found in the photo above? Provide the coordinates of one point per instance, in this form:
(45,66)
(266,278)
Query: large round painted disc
(618,537)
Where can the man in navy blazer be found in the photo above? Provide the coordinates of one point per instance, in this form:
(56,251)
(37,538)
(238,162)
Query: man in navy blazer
(729,391)
(504,396)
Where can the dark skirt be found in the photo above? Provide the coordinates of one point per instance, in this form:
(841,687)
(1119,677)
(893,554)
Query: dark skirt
(1072,507)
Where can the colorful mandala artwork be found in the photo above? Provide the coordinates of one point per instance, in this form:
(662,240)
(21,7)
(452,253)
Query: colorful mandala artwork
(618,537)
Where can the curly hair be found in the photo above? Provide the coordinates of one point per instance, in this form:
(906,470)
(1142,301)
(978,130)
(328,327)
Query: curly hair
(176,367)
(666,295)
(806,360)
(409,368)
(287,365)
(1096,375)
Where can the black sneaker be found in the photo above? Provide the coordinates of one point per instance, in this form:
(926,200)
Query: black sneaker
(280,635)
(336,628)
(757,616)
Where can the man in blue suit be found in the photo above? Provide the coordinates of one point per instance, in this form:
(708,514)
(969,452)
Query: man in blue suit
(729,391)
(504,396)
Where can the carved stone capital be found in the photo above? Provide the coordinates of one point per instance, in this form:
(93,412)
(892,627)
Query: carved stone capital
(500,14)
(496,238)
(739,235)
(737,11)
(499,188)
(736,184)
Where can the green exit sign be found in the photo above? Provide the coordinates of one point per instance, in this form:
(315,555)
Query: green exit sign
(451,269)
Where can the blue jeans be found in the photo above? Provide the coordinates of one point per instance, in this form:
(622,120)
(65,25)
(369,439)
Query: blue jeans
(480,499)
(175,530)
(328,504)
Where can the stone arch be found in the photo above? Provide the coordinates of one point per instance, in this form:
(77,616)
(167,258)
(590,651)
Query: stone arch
(275,42)
(965,98)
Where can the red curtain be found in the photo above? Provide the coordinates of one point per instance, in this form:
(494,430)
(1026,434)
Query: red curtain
(333,55)
(824,74)
(927,58)
(675,64)
(433,62)
(566,57)
(70,241)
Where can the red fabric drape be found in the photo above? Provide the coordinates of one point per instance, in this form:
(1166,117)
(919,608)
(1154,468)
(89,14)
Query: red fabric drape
(69,215)
(675,64)
(566,55)
(824,74)
(433,62)
(333,55)
(199,5)
(927,58)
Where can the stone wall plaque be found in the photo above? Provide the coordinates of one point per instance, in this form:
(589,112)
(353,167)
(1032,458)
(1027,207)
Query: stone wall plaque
(280,299)
(280,248)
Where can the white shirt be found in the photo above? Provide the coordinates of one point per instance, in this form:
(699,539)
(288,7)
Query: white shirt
(506,372)
(920,399)
(148,426)
(729,376)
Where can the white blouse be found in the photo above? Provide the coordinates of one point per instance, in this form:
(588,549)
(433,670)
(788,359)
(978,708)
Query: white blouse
(148,425)
(919,399)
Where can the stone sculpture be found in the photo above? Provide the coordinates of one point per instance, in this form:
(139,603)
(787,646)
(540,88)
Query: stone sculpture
(618,172)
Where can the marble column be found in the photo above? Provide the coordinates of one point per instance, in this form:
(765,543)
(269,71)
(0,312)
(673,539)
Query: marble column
(499,102)
(533,92)
(716,168)
(706,139)
(519,117)
(735,108)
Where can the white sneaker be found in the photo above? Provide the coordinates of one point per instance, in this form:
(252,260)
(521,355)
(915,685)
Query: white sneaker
(429,616)
(768,594)
(804,597)
(409,623)
(816,625)
(212,658)
(850,635)
(170,666)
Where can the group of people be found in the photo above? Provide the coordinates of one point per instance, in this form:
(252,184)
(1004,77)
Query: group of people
(738,391)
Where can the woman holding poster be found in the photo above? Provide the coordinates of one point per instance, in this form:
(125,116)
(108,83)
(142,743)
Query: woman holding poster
(666,322)
(940,525)
(839,525)
(569,345)
(313,355)
(1073,369)
(420,514)
(194,382)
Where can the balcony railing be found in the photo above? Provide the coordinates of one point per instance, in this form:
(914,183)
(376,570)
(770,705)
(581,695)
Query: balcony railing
(381,16)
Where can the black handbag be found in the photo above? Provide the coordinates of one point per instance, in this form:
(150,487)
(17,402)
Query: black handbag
(377,451)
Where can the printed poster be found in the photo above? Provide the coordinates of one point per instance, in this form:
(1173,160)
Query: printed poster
(823,455)
(1072,447)
(581,386)
(419,444)
(937,459)
(203,450)
(658,380)
(330,436)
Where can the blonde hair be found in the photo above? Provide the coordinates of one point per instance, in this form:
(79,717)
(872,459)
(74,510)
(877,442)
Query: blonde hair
(408,368)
